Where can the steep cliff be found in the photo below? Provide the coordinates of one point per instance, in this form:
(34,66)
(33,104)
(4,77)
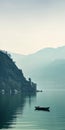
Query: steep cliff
(11,78)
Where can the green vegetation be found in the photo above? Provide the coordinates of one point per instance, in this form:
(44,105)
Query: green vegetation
(11,78)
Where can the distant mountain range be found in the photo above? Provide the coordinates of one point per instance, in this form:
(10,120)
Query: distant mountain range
(47,64)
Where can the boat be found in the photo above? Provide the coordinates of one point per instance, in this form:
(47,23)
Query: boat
(39,91)
(42,108)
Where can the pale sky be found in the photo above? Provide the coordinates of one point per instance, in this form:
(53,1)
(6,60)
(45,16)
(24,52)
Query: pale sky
(30,25)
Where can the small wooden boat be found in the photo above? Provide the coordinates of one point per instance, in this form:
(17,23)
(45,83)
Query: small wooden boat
(42,108)
(39,91)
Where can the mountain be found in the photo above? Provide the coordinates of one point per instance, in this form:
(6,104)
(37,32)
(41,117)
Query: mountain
(39,59)
(46,65)
(12,78)
(55,70)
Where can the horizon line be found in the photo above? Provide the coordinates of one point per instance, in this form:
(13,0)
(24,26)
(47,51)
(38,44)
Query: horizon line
(61,46)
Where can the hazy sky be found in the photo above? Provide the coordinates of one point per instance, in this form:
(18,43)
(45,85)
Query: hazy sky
(29,25)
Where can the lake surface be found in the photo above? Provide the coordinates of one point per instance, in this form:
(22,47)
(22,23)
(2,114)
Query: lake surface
(17,111)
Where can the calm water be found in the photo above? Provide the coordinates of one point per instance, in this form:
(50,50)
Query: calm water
(17,111)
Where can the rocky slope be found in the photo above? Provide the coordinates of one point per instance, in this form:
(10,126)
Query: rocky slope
(12,78)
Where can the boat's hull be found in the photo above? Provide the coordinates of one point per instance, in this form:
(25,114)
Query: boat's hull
(42,108)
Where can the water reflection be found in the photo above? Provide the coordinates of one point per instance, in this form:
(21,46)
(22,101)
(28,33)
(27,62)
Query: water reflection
(9,105)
